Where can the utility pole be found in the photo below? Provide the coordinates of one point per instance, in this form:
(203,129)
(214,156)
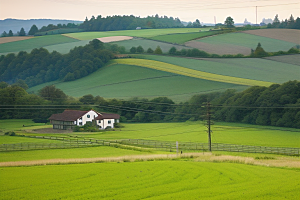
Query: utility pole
(208,124)
(256,14)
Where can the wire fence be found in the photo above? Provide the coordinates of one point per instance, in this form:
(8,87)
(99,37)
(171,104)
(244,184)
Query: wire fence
(68,142)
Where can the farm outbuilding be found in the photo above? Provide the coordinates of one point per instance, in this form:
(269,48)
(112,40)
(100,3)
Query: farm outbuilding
(71,118)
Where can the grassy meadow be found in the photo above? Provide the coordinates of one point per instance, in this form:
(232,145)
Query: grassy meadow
(250,41)
(35,42)
(127,81)
(179,179)
(162,66)
(145,43)
(262,69)
(182,38)
(146,33)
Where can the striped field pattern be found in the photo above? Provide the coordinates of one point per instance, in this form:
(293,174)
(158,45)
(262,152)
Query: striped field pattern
(162,66)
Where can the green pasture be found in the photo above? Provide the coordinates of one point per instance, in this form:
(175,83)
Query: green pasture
(17,124)
(177,179)
(135,33)
(4,139)
(88,152)
(126,81)
(250,41)
(66,47)
(181,38)
(176,69)
(165,47)
(248,68)
(228,133)
(36,42)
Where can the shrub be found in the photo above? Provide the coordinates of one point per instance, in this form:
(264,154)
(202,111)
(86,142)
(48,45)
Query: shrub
(149,50)
(158,50)
(10,133)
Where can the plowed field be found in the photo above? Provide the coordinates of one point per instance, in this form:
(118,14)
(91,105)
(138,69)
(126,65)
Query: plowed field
(13,39)
(288,35)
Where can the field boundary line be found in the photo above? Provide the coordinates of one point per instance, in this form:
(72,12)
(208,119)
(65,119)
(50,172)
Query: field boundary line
(167,67)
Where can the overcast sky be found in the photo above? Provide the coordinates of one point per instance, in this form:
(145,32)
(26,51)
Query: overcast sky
(185,10)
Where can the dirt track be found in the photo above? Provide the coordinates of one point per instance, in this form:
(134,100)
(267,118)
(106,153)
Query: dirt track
(291,162)
(289,35)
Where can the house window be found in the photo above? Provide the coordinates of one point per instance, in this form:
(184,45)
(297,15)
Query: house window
(88,116)
(109,122)
(99,121)
(80,123)
(80,118)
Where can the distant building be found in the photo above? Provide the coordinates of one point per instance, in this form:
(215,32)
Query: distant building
(138,28)
(267,21)
(71,118)
(246,22)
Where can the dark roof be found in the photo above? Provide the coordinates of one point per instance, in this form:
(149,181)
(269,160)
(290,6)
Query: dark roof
(107,116)
(68,115)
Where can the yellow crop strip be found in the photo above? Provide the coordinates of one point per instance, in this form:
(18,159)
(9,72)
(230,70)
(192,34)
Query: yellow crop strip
(162,66)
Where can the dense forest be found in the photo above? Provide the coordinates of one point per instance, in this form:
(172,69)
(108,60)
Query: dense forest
(40,66)
(277,105)
(112,23)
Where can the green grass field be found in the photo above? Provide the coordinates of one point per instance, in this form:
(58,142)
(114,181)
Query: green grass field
(165,47)
(250,41)
(176,179)
(163,66)
(249,68)
(289,59)
(66,47)
(135,33)
(36,42)
(125,81)
(88,152)
(183,37)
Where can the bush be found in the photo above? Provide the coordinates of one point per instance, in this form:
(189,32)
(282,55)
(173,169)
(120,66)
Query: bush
(10,133)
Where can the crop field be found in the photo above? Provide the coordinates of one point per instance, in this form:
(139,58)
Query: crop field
(165,47)
(117,82)
(36,42)
(288,35)
(181,38)
(175,179)
(13,39)
(248,68)
(162,66)
(66,47)
(135,33)
(235,43)
(290,59)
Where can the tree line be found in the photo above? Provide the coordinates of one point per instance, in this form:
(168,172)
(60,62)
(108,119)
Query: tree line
(117,22)
(40,66)
(277,105)
(290,23)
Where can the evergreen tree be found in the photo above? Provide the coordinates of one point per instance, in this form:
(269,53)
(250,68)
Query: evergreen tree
(4,34)
(33,30)
(157,50)
(22,32)
(10,33)
(140,49)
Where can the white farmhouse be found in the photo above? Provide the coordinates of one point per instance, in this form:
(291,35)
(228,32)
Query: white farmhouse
(71,118)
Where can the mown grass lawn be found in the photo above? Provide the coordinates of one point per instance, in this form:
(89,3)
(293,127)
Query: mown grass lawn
(176,179)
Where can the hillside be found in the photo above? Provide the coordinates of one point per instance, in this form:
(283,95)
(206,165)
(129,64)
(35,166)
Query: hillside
(16,24)
(126,79)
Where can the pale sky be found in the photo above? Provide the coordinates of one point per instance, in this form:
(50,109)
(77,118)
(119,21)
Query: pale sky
(185,10)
